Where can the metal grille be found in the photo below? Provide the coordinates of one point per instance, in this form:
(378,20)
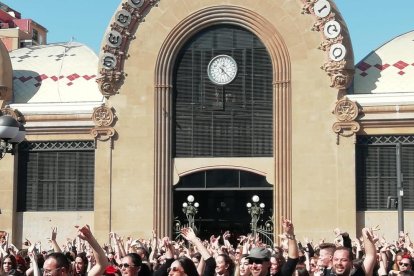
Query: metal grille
(231,120)
(57,145)
(56,176)
(376,165)
(385,139)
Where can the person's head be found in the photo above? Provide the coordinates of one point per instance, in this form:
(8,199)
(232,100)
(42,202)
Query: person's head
(326,251)
(244,267)
(143,253)
(111,259)
(196,257)
(259,261)
(313,264)
(56,264)
(8,263)
(224,265)
(405,264)
(276,262)
(81,264)
(342,261)
(182,266)
(131,264)
(301,271)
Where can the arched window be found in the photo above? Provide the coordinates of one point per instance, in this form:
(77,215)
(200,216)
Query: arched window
(234,120)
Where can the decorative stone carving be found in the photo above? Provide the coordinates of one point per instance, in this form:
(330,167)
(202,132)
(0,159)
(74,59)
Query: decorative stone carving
(117,38)
(103,117)
(339,66)
(346,111)
(340,77)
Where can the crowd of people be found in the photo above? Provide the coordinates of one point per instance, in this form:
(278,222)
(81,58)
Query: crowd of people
(191,256)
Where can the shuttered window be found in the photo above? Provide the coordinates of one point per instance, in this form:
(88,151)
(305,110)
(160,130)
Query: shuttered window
(376,171)
(234,120)
(56,176)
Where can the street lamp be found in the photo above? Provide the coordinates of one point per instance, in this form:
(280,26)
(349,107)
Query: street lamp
(255,210)
(190,209)
(11,133)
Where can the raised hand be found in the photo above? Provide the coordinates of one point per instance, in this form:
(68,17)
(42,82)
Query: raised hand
(84,232)
(188,234)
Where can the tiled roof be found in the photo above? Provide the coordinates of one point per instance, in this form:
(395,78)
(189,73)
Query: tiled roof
(55,73)
(389,69)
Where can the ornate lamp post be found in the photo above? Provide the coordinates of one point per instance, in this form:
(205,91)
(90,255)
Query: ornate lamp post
(255,210)
(11,133)
(190,209)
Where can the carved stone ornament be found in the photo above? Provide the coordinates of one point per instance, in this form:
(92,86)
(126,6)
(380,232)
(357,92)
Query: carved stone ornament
(103,117)
(340,77)
(103,133)
(340,62)
(117,38)
(346,111)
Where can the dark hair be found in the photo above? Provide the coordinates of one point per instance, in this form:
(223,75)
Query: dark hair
(136,259)
(196,255)
(228,261)
(85,261)
(12,260)
(40,259)
(188,266)
(61,260)
(330,247)
(302,271)
(279,258)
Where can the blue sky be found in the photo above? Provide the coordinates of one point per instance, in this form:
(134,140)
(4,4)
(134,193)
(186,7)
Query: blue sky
(371,22)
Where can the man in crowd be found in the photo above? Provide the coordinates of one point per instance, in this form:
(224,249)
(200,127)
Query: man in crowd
(259,257)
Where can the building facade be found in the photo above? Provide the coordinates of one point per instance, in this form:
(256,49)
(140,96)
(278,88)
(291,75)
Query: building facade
(219,100)
(17,32)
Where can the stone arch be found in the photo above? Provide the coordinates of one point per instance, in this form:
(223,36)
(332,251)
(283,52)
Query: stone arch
(163,89)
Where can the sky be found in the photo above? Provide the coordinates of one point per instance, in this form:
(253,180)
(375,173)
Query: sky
(371,23)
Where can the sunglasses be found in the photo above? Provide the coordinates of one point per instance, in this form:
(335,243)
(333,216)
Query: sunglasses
(404,264)
(125,265)
(256,261)
(173,269)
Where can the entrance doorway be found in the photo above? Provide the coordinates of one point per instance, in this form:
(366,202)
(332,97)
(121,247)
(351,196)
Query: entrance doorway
(222,196)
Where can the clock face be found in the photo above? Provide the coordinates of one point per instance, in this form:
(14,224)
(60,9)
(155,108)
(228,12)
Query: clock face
(222,69)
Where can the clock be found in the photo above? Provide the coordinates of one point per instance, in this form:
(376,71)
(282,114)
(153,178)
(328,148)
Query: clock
(222,69)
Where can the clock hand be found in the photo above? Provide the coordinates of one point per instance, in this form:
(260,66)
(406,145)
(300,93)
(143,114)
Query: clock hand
(224,71)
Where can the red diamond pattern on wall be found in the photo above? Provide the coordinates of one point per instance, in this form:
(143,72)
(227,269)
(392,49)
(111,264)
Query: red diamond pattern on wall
(42,77)
(400,65)
(381,66)
(73,77)
(364,66)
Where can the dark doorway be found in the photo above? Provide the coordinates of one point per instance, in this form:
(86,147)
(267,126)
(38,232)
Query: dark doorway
(223,207)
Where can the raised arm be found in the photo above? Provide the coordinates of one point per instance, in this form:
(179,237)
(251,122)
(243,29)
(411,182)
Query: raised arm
(289,233)
(190,236)
(53,242)
(370,251)
(101,260)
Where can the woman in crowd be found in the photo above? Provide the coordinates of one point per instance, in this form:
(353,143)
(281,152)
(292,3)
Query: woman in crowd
(81,264)
(8,264)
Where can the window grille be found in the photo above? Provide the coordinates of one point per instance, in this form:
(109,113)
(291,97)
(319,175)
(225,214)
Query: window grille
(376,165)
(56,176)
(235,120)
